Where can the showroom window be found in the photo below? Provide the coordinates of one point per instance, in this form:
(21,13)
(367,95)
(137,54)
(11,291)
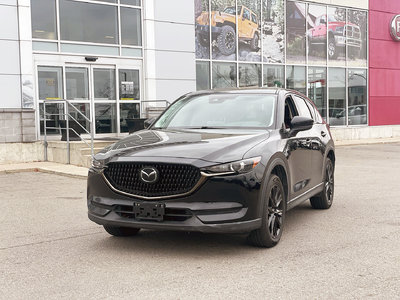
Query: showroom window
(87,22)
(44,19)
(318,50)
(93,27)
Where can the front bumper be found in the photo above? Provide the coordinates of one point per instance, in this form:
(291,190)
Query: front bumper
(228,204)
(204,30)
(341,40)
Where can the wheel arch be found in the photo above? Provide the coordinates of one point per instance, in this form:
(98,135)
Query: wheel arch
(227,23)
(331,156)
(278,166)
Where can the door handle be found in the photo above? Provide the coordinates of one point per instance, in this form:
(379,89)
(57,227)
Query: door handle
(323,133)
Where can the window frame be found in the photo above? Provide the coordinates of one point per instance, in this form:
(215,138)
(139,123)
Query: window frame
(55,46)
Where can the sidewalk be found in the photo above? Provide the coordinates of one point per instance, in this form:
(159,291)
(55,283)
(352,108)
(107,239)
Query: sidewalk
(45,167)
(81,172)
(367,142)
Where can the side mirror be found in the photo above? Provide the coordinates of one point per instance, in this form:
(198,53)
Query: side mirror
(300,124)
(148,122)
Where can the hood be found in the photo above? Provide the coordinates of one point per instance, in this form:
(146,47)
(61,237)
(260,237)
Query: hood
(215,145)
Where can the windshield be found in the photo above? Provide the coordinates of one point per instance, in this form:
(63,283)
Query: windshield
(220,111)
(231,10)
(332,18)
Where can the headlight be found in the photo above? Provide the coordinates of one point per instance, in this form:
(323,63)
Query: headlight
(98,165)
(236,167)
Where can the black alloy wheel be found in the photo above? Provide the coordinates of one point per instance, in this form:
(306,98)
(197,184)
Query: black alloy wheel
(325,199)
(269,234)
(275,212)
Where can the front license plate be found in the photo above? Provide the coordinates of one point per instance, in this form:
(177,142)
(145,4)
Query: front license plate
(149,211)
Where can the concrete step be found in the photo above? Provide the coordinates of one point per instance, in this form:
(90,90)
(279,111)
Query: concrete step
(88,151)
(79,145)
(86,161)
(80,153)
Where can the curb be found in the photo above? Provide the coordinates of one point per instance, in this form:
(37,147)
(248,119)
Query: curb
(13,171)
(366,142)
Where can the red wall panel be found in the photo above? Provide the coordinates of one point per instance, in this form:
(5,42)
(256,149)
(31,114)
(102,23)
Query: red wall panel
(385,5)
(384,83)
(384,54)
(388,108)
(384,64)
(380,29)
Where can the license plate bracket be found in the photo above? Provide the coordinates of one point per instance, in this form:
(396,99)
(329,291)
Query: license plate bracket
(149,211)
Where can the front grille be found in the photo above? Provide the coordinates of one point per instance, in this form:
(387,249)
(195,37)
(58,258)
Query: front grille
(353,32)
(174,179)
(171,214)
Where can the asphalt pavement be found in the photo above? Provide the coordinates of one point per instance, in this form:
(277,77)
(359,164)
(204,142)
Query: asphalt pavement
(49,249)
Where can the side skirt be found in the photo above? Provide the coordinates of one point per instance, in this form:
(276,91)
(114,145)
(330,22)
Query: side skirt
(305,196)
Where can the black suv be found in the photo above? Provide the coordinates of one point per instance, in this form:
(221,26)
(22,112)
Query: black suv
(217,161)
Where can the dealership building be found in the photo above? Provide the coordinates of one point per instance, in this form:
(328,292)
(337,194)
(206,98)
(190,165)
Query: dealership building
(117,61)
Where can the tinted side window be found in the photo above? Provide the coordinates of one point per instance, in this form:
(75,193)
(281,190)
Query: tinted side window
(314,111)
(246,14)
(290,112)
(302,107)
(311,108)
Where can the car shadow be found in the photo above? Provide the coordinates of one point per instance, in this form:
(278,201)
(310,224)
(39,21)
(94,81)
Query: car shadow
(172,243)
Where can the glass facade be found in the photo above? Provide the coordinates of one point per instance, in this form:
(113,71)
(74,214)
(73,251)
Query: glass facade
(318,50)
(112,27)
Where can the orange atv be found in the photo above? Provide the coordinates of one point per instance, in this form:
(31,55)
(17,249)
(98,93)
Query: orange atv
(223,29)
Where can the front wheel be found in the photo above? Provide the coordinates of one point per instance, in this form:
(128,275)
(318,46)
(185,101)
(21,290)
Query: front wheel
(332,49)
(226,40)
(121,231)
(273,216)
(325,198)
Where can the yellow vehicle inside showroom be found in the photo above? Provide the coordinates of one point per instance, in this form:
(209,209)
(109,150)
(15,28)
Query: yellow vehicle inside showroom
(223,28)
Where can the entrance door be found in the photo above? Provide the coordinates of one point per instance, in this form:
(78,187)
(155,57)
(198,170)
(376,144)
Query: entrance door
(108,94)
(92,90)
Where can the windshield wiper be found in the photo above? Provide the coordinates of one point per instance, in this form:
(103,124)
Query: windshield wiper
(205,127)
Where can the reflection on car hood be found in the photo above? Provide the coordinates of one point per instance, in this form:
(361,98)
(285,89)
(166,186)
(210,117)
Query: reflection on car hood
(215,145)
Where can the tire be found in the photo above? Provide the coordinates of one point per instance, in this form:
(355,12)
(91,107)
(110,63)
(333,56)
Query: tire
(332,49)
(354,53)
(273,215)
(226,40)
(310,47)
(121,231)
(325,198)
(202,41)
(254,42)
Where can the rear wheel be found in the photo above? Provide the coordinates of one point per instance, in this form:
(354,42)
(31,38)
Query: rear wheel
(274,211)
(254,42)
(121,231)
(325,198)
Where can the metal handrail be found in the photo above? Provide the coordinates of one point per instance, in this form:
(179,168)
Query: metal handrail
(67,116)
(167,103)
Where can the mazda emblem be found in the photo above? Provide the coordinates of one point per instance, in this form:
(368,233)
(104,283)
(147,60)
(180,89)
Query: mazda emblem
(149,174)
